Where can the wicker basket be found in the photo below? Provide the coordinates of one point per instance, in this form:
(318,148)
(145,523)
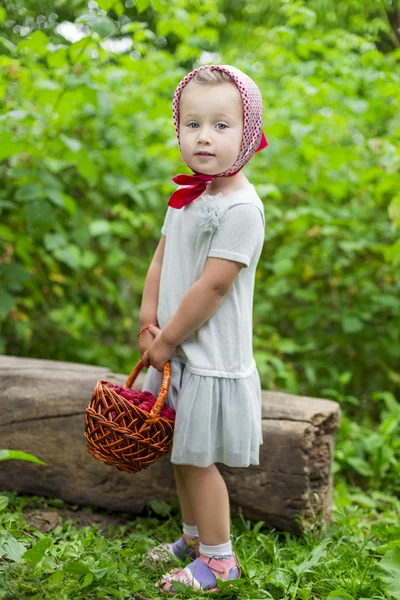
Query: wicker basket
(134,439)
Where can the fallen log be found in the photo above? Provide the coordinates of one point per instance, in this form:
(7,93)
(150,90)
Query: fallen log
(42,410)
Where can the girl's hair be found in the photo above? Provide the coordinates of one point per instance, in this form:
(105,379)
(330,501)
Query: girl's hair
(212,77)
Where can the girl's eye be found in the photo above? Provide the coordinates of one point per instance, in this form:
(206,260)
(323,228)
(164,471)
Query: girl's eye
(223,125)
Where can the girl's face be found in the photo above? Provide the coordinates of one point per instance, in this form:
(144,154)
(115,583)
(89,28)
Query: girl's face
(210,121)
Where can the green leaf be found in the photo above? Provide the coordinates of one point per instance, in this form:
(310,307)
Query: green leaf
(141,5)
(351,324)
(7,44)
(317,553)
(3,14)
(300,130)
(87,580)
(6,302)
(159,5)
(160,507)
(34,555)
(71,143)
(119,185)
(181,30)
(99,573)
(30,191)
(36,42)
(40,217)
(118,8)
(105,4)
(76,568)
(100,24)
(8,148)
(17,115)
(361,466)
(389,572)
(340,595)
(54,240)
(99,227)
(132,26)
(10,547)
(70,255)
(3,502)
(14,276)
(56,578)
(394,209)
(55,196)
(19,455)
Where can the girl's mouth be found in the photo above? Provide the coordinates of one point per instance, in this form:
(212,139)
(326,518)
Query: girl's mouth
(204,154)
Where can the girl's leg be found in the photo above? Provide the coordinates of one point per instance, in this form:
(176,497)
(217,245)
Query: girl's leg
(207,496)
(186,507)
(188,543)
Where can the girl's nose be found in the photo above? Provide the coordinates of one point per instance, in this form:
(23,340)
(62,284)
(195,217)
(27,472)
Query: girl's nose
(204,135)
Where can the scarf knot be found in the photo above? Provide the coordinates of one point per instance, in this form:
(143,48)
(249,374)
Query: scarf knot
(195,186)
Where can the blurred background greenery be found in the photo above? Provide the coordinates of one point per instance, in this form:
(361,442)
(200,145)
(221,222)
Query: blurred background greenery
(87,152)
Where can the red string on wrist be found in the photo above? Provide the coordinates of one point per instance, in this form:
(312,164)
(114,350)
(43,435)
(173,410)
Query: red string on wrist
(147,327)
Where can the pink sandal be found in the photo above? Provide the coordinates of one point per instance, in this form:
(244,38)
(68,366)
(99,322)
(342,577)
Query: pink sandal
(201,574)
(164,554)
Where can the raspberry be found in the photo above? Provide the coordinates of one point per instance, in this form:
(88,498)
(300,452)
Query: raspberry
(127,394)
(170,414)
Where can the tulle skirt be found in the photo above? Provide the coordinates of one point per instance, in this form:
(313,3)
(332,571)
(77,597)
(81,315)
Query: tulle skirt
(218,420)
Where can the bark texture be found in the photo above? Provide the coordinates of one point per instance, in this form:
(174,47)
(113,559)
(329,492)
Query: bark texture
(42,410)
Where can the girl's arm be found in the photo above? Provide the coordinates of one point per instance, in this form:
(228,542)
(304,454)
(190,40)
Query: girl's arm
(202,300)
(148,309)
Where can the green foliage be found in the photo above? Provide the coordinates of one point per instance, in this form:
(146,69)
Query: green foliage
(368,454)
(18,455)
(355,556)
(87,150)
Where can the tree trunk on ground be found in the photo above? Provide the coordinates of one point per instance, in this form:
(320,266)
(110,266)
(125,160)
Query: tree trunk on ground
(42,412)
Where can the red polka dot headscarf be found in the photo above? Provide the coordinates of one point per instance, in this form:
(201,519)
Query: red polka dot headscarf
(253,139)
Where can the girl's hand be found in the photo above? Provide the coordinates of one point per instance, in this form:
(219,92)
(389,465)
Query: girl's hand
(159,352)
(145,341)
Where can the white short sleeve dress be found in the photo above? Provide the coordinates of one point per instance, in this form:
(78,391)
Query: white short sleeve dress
(215,385)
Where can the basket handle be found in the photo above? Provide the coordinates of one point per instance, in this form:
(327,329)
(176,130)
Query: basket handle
(159,403)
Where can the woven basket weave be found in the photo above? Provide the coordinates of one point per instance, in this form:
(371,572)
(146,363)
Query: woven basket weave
(134,439)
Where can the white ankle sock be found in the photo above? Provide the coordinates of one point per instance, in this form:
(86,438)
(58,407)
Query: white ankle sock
(191,530)
(222,550)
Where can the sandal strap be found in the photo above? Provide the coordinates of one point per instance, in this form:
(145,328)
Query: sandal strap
(218,565)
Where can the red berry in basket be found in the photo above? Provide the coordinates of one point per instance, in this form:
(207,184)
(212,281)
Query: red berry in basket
(170,414)
(145,406)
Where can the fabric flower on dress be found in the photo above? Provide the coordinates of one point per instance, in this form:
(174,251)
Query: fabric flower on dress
(210,213)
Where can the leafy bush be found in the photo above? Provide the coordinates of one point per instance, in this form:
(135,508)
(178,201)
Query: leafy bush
(87,152)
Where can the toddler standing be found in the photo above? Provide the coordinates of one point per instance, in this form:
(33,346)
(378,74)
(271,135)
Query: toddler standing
(199,290)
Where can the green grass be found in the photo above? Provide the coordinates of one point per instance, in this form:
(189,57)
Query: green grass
(341,560)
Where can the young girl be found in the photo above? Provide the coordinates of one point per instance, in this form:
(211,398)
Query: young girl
(199,290)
